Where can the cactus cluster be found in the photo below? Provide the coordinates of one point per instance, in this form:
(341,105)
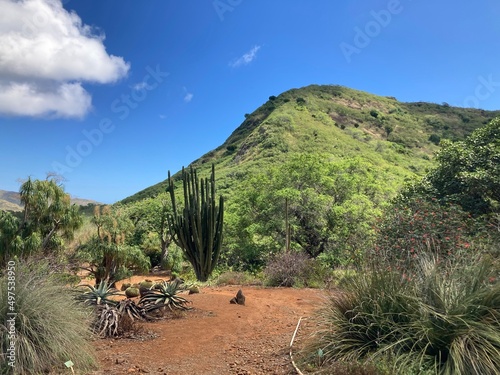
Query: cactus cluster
(197,228)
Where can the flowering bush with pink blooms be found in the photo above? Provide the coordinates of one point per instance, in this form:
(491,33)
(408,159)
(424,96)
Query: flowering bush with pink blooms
(411,228)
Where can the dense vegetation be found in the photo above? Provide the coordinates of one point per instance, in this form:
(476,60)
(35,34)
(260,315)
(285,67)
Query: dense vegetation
(429,301)
(338,155)
(47,220)
(403,195)
(441,319)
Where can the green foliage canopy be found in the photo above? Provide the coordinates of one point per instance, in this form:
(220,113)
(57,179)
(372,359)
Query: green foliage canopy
(108,253)
(468,172)
(48,218)
(331,206)
(150,219)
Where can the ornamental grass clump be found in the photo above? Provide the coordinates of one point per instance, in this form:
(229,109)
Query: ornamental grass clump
(441,319)
(50,326)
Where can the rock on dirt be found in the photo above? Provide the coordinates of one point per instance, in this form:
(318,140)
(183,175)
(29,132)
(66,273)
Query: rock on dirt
(215,338)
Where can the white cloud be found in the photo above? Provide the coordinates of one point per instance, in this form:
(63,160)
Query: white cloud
(188,96)
(246,59)
(26,99)
(45,54)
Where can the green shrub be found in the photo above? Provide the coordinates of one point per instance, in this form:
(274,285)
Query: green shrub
(434,121)
(174,260)
(441,320)
(51,327)
(341,276)
(434,138)
(319,274)
(231,148)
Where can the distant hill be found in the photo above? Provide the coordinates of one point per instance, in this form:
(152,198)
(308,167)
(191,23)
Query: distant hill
(397,138)
(10,201)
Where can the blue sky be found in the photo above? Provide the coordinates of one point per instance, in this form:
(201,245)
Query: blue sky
(114,93)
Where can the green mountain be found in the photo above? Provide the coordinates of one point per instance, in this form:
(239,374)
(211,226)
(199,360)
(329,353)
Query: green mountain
(399,139)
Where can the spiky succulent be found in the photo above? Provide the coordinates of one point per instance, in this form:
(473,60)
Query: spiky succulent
(98,295)
(107,323)
(164,295)
(131,309)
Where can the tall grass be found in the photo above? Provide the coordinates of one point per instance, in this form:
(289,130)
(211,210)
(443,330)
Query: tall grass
(439,320)
(50,327)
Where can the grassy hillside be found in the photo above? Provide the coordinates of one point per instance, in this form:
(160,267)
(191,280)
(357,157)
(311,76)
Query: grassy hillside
(9,201)
(398,139)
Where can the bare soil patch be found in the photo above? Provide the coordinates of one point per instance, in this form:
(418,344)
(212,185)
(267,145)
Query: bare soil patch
(215,337)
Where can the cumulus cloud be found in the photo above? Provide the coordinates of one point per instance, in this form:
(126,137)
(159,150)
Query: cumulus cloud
(246,59)
(46,53)
(62,100)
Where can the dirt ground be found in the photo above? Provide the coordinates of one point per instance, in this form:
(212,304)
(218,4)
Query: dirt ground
(215,337)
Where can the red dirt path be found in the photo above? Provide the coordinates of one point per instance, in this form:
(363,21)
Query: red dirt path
(216,337)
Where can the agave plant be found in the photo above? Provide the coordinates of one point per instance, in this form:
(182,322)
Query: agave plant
(107,323)
(164,295)
(131,309)
(99,295)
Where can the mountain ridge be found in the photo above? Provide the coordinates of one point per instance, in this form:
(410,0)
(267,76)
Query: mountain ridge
(338,122)
(11,201)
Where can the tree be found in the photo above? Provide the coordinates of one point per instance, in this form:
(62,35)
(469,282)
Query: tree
(108,254)
(330,207)
(468,172)
(151,216)
(48,218)
(197,229)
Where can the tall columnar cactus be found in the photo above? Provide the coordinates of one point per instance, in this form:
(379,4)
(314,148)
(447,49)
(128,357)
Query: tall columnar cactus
(197,229)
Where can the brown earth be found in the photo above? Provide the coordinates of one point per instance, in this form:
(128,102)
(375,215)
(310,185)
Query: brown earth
(215,337)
